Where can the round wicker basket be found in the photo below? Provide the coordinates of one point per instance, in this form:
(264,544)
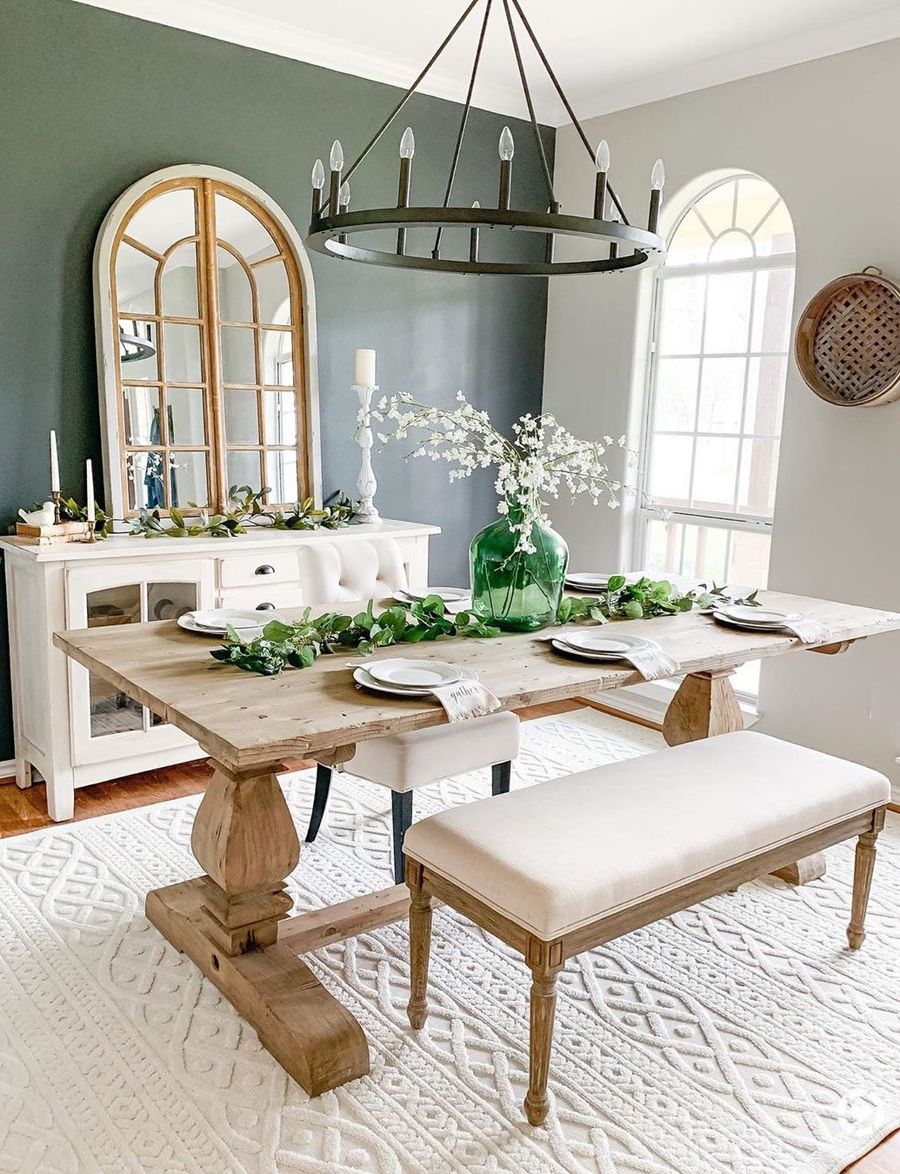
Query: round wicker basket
(848,340)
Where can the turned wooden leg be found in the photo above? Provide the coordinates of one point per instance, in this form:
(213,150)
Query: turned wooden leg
(419,945)
(227,924)
(704,706)
(320,801)
(545,960)
(501,773)
(863,867)
(401,820)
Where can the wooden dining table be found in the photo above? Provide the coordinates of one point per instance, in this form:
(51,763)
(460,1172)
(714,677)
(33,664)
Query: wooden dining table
(234,921)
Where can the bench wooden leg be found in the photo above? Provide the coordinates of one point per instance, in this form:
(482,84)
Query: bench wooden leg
(544,958)
(862,881)
(419,945)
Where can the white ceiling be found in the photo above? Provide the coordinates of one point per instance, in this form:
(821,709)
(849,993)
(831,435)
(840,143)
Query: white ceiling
(608,55)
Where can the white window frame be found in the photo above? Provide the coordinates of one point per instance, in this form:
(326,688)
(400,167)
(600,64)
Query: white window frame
(646,511)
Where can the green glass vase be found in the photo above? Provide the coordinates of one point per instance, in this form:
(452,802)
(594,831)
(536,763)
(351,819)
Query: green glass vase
(516,590)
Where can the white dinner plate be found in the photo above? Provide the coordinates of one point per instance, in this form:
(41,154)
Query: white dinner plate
(599,643)
(722,617)
(581,654)
(448,594)
(597,580)
(406,673)
(363,677)
(213,622)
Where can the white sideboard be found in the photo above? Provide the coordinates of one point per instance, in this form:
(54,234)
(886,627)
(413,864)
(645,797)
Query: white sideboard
(75,729)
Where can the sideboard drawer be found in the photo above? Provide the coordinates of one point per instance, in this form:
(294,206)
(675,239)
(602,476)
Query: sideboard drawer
(278,594)
(246,570)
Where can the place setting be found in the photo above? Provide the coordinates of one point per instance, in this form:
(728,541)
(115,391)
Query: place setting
(457,689)
(591,581)
(650,660)
(216,621)
(454,599)
(762,619)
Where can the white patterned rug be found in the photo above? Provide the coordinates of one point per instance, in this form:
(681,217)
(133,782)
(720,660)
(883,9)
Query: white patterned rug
(740,1036)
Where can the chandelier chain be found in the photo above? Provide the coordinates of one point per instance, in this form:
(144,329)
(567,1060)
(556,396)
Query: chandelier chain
(548,179)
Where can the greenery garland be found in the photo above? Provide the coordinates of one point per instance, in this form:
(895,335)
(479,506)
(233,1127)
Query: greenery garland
(283,645)
(247,509)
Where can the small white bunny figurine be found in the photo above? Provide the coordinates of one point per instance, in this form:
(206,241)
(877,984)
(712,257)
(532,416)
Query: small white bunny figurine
(45,516)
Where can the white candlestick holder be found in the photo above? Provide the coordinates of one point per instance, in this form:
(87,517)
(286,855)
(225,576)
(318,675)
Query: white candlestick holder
(366,483)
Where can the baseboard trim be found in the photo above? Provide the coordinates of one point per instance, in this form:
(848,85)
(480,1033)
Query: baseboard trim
(7,771)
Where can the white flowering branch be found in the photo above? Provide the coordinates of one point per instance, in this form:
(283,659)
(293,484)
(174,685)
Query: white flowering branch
(540,459)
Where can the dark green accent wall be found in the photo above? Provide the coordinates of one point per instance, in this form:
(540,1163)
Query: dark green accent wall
(92,101)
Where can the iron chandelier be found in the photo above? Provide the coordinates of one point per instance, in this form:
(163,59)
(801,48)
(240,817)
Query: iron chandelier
(332,224)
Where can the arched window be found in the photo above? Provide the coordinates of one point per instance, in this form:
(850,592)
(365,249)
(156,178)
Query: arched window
(720,341)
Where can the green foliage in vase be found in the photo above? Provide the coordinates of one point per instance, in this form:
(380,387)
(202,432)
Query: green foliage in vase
(297,645)
(246,509)
(643,600)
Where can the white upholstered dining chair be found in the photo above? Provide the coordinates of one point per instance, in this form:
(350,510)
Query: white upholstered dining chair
(374,569)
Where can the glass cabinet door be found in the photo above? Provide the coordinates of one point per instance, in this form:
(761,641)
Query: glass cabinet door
(106,722)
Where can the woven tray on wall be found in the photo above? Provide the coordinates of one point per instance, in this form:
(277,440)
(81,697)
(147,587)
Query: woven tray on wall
(848,340)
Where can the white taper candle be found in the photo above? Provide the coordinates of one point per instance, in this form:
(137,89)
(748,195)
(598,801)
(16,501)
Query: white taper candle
(89,476)
(54,463)
(365,368)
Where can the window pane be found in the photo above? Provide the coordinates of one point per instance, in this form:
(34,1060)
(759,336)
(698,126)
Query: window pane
(144,477)
(690,243)
(278,364)
(241,416)
(772,301)
(281,475)
(239,227)
(717,206)
(274,293)
(111,712)
(721,395)
(238,355)
(728,312)
(132,334)
(759,469)
(714,473)
(733,245)
(164,220)
(765,395)
(676,395)
(179,283)
(141,415)
(776,233)
(235,291)
(187,424)
(243,468)
(681,315)
(670,469)
(183,361)
(738,558)
(187,479)
(280,412)
(135,281)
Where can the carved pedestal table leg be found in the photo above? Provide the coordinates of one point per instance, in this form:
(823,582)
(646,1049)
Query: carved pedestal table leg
(227,923)
(704,706)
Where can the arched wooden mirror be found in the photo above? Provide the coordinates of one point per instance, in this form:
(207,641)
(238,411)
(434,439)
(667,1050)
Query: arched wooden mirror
(206,339)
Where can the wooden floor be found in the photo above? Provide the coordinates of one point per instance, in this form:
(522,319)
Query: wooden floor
(26,811)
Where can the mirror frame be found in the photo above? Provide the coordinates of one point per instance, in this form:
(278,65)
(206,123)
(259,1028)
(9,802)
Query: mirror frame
(107,334)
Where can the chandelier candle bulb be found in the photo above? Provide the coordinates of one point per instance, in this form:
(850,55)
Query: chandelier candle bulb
(344,206)
(318,183)
(336,160)
(507,149)
(407,150)
(657,181)
(601,159)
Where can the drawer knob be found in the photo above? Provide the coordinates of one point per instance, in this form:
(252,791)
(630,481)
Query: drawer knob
(265,569)
(265,607)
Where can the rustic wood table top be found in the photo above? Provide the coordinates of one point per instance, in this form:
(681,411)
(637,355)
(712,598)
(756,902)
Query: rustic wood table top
(245,720)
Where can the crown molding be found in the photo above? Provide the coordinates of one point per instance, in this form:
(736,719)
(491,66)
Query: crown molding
(212,19)
(883,25)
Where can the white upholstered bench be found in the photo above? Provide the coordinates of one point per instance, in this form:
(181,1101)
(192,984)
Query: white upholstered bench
(564,866)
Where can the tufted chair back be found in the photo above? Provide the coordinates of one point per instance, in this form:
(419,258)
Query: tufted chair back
(363,569)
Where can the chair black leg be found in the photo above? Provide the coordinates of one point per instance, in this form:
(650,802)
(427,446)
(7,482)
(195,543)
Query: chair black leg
(500,776)
(401,816)
(320,801)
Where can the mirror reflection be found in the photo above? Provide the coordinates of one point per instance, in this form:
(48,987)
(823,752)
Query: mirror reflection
(179,283)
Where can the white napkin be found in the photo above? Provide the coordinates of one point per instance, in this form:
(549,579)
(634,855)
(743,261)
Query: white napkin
(808,629)
(652,662)
(466,699)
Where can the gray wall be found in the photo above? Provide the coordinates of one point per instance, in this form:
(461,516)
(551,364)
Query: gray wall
(93,100)
(820,133)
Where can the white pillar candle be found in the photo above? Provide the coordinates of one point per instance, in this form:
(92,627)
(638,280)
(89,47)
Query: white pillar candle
(54,464)
(91,509)
(365,368)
